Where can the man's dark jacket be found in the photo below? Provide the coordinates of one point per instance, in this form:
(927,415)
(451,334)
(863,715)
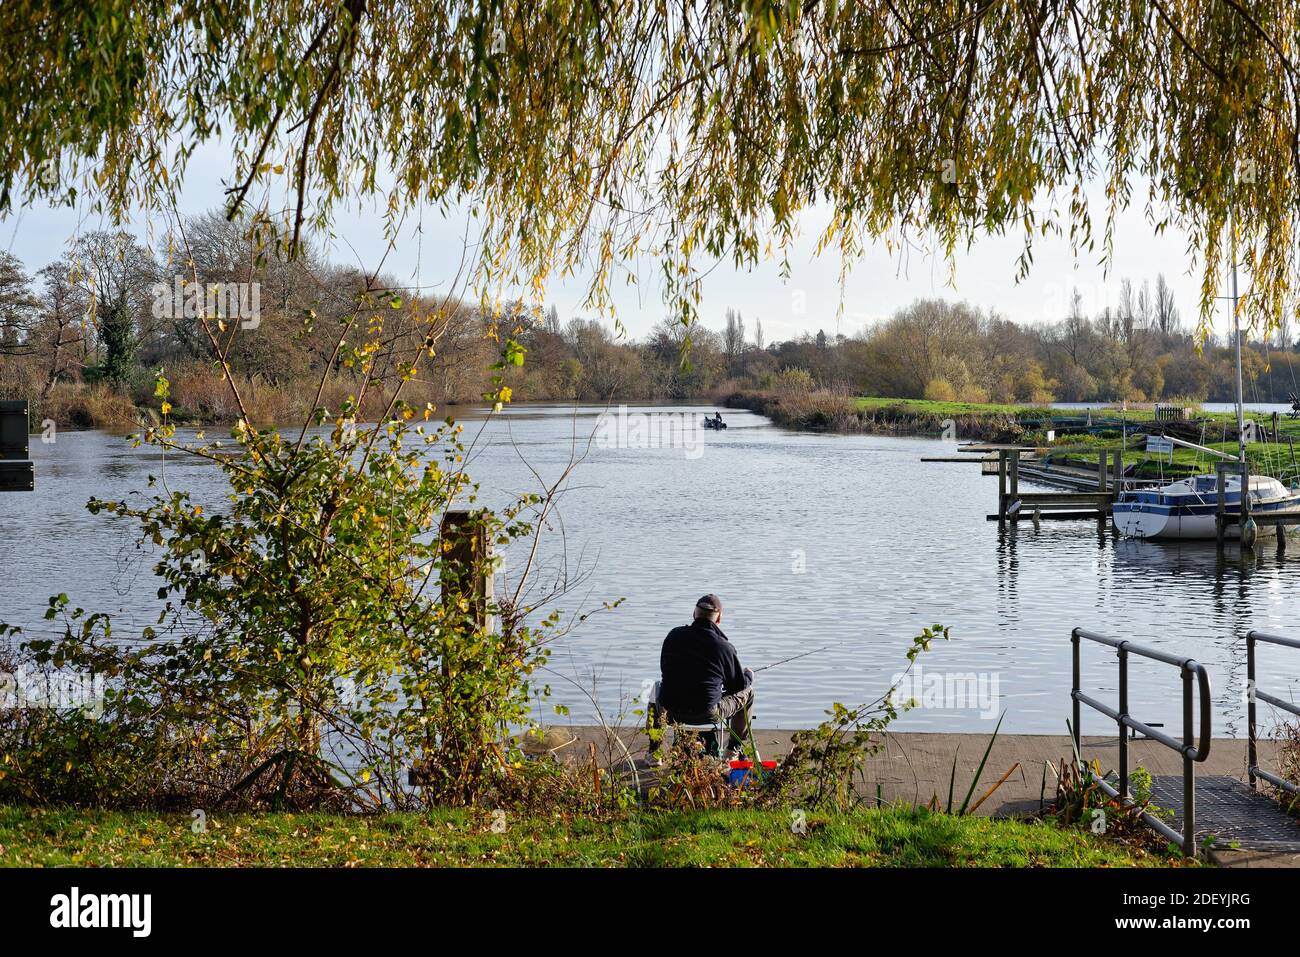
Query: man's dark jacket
(699,665)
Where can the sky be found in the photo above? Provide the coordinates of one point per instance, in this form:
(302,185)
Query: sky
(879,284)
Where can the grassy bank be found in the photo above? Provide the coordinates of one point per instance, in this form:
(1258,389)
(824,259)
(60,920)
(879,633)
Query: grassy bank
(932,407)
(873,838)
(833,412)
(994,422)
(1264,458)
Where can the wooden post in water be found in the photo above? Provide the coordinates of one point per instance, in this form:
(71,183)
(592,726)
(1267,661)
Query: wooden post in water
(1013,480)
(1002,489)
(1220,519)
(1117,485)
(1103,466)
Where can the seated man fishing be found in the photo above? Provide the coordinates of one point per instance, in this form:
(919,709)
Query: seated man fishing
(703,679)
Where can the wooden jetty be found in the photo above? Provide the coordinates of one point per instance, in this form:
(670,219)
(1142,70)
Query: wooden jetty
(1094,497)
(1090,495)
(1086,497)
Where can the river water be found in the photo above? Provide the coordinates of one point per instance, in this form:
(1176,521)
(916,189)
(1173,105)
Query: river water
(847,544)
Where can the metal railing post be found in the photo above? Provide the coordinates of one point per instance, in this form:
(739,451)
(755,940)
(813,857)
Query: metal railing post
(1254,695)
(1123,729)
(1196,740)
(1252,758)
(1189,769)
(1074,696)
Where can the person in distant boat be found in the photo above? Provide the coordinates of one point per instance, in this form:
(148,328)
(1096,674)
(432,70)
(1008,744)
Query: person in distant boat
(717,420)
(703,680)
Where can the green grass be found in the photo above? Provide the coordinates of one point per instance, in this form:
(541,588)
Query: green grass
(1103,409)
(897,837)
(1265,457)
(1261,455)
(934,407)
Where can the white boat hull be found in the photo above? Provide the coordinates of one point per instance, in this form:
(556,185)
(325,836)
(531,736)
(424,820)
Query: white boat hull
(1156,525)
(1188,509)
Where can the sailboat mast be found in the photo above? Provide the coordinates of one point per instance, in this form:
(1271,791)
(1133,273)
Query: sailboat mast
(1236,333)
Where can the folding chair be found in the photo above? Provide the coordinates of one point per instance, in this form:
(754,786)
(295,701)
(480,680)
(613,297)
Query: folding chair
(714,733)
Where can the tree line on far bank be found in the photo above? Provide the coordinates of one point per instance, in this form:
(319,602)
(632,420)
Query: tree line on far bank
(1135,350)
(82,337)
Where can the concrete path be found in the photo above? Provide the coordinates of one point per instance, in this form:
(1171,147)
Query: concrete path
(915,766)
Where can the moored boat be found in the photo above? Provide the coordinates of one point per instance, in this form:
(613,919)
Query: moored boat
(1187,509)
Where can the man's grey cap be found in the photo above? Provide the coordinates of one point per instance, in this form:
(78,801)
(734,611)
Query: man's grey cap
(710,602)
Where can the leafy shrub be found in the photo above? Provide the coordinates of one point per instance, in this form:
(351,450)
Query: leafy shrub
(308,644)
(939,390)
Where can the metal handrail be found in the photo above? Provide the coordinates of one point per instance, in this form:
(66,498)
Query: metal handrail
(1192,748)
(1253,694)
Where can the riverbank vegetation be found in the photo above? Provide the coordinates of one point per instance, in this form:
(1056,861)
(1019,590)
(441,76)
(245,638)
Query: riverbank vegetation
(1080,434)
(889,837)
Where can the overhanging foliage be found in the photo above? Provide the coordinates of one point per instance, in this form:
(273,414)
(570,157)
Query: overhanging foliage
(585,134)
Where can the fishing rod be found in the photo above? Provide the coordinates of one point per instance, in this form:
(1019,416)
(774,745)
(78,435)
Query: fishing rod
(792,658)
(783,660)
